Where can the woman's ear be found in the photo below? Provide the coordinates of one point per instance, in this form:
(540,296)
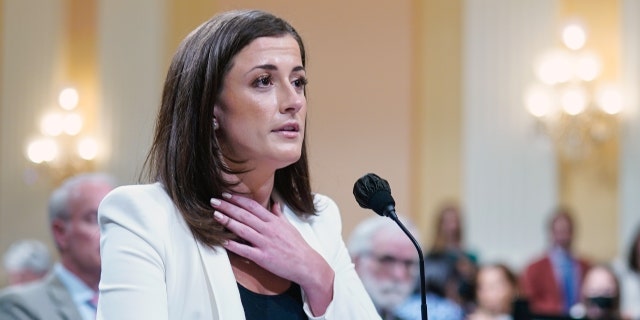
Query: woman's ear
(216,126)
(216,123)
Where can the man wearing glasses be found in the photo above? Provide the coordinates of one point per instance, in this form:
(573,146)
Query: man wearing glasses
(386,261)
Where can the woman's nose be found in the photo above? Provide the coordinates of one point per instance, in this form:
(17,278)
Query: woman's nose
(291,99)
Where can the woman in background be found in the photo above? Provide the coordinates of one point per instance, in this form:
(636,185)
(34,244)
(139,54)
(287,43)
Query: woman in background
(448,242)
(628,273)
(496,291)
(600,296)
(230,228)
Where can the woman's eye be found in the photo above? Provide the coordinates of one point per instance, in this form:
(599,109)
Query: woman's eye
(263,81)
(300,83)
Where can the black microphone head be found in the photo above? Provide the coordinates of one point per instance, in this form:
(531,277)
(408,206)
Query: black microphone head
(373,192)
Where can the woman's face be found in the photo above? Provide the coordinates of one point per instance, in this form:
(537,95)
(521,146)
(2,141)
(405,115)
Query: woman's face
(494,290)
(262,107)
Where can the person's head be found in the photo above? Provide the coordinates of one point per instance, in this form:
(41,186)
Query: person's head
(73,214)
(601,293)
(561,229)
(233,102)
(448,231)
(26,261)
(496,289)
(634,253)
(385,259)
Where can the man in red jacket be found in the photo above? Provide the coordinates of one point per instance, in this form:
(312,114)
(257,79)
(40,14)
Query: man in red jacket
(552,283)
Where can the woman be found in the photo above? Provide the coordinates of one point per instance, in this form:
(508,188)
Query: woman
(600,296)
(230,228)
(629,275)
(496,290)
(448,241)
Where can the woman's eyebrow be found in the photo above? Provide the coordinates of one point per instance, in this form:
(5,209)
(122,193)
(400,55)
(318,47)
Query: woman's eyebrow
(273,67)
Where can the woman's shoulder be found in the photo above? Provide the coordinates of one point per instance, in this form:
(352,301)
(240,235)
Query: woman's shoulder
(139,190)
(327,213)
(144,204)
(139,194)
(324,202)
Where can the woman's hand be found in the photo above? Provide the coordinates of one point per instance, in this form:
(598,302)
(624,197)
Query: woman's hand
(277,246)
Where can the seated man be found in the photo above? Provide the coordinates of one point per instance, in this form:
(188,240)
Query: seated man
(386,261)
(70,290)
(26,261)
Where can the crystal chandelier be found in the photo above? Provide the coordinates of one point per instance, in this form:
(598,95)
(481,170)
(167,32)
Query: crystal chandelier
(576,110)
(64,148)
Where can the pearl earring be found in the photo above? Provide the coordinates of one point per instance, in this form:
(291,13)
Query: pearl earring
(215,124)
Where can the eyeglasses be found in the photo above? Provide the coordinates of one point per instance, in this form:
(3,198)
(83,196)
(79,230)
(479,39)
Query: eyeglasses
(388,261)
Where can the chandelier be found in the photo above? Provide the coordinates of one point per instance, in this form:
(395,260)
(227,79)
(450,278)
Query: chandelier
(572,106)
(63,148)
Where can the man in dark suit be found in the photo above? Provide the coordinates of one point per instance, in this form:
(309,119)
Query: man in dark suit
(69,291)
(552,283)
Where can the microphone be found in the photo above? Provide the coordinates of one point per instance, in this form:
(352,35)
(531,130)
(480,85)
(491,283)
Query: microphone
(373,192)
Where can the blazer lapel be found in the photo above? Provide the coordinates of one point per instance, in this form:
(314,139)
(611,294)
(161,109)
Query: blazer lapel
(63,303)
(224,294)
(223,289)
(305,230)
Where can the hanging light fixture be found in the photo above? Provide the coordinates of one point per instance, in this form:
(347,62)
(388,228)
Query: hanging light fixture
(64,148)
(576,110)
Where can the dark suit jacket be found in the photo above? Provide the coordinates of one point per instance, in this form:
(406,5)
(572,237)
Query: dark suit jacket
(541,288)
(47,299)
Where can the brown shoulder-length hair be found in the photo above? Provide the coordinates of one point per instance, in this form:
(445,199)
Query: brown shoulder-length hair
(440,241)
(185,155)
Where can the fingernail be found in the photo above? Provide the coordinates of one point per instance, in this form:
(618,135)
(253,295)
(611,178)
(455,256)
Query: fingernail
(226,195)
(217,215)
(214,202)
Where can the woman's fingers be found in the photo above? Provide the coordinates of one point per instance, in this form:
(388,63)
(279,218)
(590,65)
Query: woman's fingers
(237,227)
(236,212)
(249,205)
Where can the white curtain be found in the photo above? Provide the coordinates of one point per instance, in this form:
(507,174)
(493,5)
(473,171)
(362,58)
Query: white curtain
(630,142)
(132,70)
(509,167)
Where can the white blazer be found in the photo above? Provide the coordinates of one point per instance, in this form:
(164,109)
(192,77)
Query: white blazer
(153,268)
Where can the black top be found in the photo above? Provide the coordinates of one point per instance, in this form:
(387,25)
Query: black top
(284,306)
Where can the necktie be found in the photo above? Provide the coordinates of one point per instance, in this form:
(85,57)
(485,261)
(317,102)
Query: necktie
(93,302)
(568,282)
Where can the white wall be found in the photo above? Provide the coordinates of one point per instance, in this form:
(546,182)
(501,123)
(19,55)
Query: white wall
(131,53)
(509,173)
(630,142)
(30,83)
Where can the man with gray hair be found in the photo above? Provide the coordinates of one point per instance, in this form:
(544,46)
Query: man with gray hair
(70,290)
(386,261)
(26,261)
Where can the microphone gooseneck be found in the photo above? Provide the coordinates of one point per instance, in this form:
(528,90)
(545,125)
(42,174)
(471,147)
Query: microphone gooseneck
(373,192)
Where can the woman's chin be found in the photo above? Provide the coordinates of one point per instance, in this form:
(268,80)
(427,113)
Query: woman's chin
(287,160)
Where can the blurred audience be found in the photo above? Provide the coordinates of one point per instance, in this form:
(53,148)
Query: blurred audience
(629,274)
(386,261)
(448,241)
(441,276)
(26,261)
(70,290)
(552,283)
(496,292)
(600,295)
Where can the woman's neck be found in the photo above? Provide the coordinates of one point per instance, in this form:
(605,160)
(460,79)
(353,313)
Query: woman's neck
(255,186)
